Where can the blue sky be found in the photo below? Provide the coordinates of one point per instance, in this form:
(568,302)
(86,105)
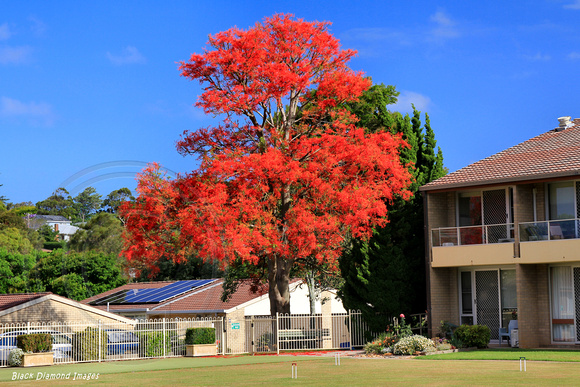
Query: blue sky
(90,91)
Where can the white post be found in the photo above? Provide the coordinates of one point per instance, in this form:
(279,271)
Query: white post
(100,341)
(277,334)
(164,335)
(350,328)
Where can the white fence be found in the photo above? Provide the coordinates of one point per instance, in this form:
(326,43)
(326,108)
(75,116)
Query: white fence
(75,342)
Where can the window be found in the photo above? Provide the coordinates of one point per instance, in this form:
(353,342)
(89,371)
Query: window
(469,208)
(561,196)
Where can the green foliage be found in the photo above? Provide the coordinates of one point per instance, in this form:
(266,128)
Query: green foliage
(15,241)
(392,262)
(47,233)
(114,200)
(446,329)
(15,357)
(34,342)
(151,343)
(53,245)
(59,203)
(78,275)
(193,267)
(200,336)
(382,344)
(15,271)
(473,335)
(101,233)
(411,344)
(87,202)
(85,344)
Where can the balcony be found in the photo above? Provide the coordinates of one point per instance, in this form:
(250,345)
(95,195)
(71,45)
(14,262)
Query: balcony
(473,245)
(472,235)
(550,241)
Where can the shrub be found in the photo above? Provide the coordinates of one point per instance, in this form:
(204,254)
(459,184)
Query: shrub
(34,342)
(473,335)
(151,344)
(86,344)
(411,344)
(373,348)
(446,329)
(15,357)
(200,336)
(383,343)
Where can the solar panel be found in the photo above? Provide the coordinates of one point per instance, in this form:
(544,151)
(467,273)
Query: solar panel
(172,290)
(151,295)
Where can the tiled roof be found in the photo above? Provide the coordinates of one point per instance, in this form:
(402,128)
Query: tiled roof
(208,298)
(8,301)
(552,154)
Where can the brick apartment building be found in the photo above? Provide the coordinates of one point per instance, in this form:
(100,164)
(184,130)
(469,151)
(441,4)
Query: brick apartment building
(504,241)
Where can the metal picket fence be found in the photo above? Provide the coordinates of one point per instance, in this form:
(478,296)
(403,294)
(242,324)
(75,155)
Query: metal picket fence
(79,341)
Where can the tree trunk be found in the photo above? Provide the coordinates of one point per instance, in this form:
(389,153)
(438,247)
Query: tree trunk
(278,283)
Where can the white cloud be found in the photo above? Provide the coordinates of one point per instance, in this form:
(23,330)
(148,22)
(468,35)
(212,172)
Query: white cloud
(4,32)
(406,98)
(574,55)
(130,55)
(35,113)
(574,5)
(15,55)
(444,27)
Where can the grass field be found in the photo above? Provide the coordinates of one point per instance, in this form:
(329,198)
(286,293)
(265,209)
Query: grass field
(312,371)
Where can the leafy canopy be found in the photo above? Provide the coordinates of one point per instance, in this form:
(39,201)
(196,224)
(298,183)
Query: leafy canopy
(287,175)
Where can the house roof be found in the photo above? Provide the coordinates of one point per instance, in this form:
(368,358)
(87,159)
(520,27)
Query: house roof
(208,299)
(203,299)
(131,286)
(53,218)
(8,301)
(552,154)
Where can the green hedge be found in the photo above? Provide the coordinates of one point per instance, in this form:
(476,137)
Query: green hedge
(54,245)
(200,336)
(473,335)
(86,344)
(35,342)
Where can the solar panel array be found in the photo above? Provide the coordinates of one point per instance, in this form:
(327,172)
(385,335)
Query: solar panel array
(151,295)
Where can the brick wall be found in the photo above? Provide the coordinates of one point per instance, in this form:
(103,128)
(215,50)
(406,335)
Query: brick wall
(444,301)
(533,305)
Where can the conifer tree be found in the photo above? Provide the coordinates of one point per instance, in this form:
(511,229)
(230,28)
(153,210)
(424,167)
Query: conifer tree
(385,276)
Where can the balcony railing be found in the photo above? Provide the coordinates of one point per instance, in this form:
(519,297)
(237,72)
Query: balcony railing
(550,230)
(472,235)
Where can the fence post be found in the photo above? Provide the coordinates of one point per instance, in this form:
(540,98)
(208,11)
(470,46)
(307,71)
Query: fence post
(164,336)
(28,327)
(350,328)
(225,338)
(253,337)
(100,341)
(277,334)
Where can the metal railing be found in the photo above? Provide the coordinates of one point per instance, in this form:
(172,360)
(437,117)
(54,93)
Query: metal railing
(472,235)
(549,230)
(90,341)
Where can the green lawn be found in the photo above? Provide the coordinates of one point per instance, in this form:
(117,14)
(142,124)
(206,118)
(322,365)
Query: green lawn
(312,371)
(562,355)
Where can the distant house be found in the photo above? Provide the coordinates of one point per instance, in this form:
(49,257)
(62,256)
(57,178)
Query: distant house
(58,223)
(201,298)
(48,307)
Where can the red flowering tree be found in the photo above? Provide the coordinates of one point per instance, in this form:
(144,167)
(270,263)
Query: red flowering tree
(287,175)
